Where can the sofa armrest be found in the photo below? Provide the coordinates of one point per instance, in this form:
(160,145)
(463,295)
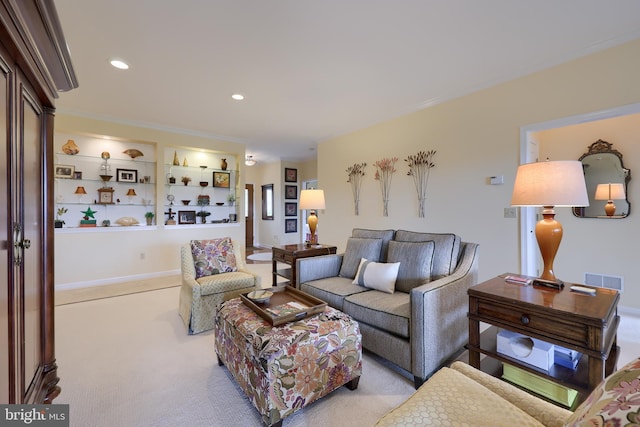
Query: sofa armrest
(543,411)
(439,327)
(315,268)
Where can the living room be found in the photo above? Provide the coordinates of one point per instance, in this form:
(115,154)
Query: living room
(478,133)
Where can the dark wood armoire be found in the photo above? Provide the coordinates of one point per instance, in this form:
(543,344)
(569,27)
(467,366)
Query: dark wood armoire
(34,66)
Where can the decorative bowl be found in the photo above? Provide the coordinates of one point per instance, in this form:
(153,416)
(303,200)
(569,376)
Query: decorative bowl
(203,183)
(260,296)
(219,203)
(186,202)
(106,178)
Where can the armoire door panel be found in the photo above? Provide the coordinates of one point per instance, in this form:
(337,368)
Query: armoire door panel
(31,141)
(6,373)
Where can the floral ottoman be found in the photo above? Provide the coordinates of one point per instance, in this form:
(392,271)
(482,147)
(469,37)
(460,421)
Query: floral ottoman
(283,368)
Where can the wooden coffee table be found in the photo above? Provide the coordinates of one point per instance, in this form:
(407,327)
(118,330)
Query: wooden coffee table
(577,321)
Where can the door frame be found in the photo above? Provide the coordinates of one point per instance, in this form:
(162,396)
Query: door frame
(248,216)
(529,253)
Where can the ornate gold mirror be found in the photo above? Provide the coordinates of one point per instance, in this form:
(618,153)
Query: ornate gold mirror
(607,180)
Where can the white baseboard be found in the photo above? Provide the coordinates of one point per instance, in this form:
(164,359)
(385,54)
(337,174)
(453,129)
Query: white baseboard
(629,311)
(114,280)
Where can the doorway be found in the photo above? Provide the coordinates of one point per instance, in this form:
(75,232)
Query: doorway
(529,254)
(248,215)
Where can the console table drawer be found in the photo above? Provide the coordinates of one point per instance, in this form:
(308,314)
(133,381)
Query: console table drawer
(535,324)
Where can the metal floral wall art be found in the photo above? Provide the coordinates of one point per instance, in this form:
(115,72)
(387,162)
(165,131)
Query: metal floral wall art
(384,173)
(419,167)
(356,172)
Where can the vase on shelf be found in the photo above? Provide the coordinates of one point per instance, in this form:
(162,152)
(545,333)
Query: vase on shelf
(223,164)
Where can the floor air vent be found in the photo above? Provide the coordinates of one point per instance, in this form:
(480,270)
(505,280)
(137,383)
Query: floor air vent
(604,281)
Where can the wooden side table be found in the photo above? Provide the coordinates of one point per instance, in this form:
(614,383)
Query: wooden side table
(288,254)
(577,321)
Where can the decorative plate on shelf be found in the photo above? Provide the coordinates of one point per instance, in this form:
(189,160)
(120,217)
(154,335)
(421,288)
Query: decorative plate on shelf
(133,153)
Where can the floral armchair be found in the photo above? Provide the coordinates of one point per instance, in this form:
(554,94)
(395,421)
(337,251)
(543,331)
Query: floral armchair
(212,271)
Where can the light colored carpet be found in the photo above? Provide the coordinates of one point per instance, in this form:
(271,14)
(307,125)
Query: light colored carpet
(128,361)
(260,256)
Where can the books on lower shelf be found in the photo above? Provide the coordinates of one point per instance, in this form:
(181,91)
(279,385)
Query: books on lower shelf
(566,357)
(542,386)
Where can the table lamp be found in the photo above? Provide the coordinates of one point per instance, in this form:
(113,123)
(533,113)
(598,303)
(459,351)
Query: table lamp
(80,191)
(610,192)
(550,184)
(312,200)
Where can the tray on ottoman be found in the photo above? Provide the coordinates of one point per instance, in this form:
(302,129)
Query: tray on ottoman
(287,304)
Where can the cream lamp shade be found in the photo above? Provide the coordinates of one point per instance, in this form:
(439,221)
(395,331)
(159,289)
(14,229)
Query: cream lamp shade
(610,192)
(550,184)
(312,200)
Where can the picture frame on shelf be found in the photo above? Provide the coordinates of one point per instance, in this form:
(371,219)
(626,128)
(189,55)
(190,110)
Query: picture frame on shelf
(290,209)
(291,225)
(186,217)
(290,175)
(64,171)
(126,175)
(77,175)
(291,192)
(222,179)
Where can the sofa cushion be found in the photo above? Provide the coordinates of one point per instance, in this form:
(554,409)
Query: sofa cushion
(415,263)
(389,312)
(332,290)
(446,252)
(358,248)
(385,235)
(213,256)
(377,275)
(615,401)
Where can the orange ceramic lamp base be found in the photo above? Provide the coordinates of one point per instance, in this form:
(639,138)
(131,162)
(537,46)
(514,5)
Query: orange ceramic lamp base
(610,208)
(312,220)
(549,235)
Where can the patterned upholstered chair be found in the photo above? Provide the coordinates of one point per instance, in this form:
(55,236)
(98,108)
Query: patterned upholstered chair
(462,395)
(213,271)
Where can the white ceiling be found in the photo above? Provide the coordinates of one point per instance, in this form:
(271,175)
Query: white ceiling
(312,70)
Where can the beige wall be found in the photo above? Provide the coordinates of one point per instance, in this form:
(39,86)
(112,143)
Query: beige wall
(270,233)
(109,255)
(478,136)
(105,256)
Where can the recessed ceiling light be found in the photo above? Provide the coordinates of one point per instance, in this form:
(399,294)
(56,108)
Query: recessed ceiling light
(120,64)
(237,96)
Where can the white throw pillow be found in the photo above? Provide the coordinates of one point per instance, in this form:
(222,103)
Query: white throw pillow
(377,275)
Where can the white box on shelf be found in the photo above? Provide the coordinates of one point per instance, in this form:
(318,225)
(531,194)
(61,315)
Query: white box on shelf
(526,349)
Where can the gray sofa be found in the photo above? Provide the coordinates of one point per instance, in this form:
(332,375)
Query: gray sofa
(421,325)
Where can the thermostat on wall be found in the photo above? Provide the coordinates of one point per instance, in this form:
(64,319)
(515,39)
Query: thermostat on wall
(497,180)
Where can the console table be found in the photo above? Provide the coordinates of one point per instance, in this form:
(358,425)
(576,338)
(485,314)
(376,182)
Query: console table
(288,254)
(573,320)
